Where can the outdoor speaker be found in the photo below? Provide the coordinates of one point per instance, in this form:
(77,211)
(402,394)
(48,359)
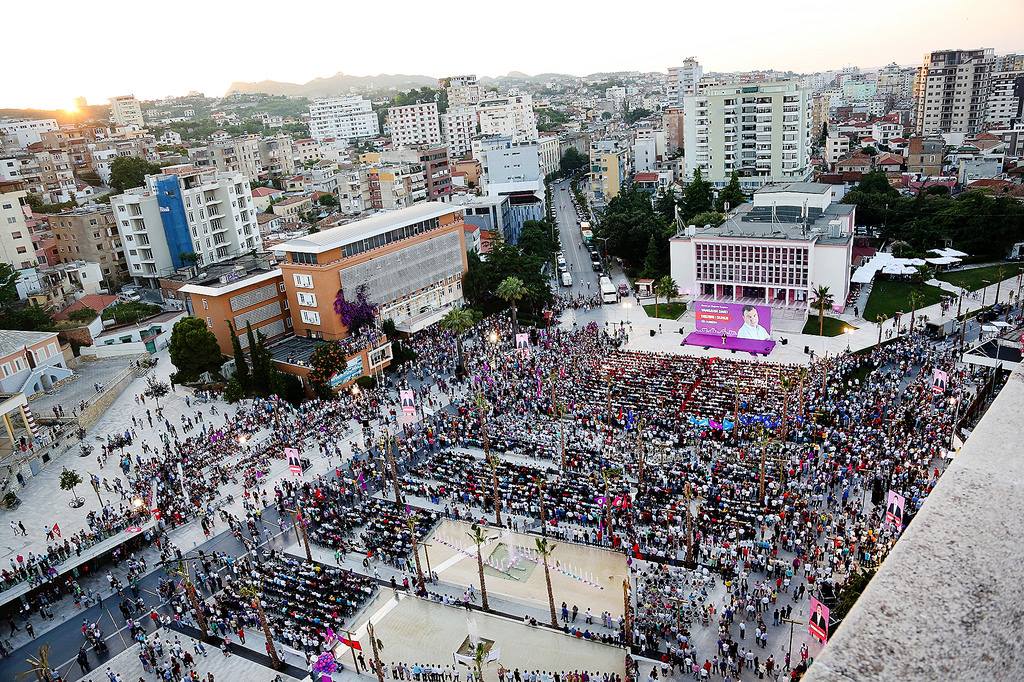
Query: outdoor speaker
(807,350)
(652,332)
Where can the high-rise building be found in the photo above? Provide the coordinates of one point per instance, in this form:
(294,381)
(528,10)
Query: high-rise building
(896,81)
(90,233)
(951,90)
(672,123)
(184,216)
(510,116)
(682,80)
(414,124)
(609,169)
(343,118)
(762,131)
(1005,104)
(458,126)
(463,91)
(125,110)
(15,240)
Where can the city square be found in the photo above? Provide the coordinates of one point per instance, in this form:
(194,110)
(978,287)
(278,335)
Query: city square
(640,368)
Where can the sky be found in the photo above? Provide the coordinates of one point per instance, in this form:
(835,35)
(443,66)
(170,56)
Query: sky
(104,48)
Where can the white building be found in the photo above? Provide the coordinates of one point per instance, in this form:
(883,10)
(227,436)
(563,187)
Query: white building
(463,91)
(415,124)
(185,213)
(836,147)
(510,116)
(896,81)
(458,127)
(24,132)
(682,81)
(15,239)
(508,165)
(125,110)
(548,148)
(951,89)
(345,118)
(1005,94)
(773,251)
(760,130)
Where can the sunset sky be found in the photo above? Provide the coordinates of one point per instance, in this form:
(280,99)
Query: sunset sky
(62,49)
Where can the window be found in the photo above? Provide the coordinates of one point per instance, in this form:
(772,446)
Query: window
(310,317)
(303,281)
(206,304)
(307,299)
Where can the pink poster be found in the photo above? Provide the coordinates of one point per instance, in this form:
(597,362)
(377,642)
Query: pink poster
(939,381)
(894,506)
(408,401)
(817,624)
(294,463)
(523,344)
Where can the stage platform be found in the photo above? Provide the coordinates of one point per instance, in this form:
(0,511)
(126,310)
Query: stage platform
(731,343)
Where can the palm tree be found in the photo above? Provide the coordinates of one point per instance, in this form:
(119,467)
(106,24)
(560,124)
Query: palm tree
(915,301)
(511,291)
(823,300)
(665,287)
(479,658)
(545,550)
(478,537)
(253,595)
(458,321)
(493,463)
(787,387)
(882,319)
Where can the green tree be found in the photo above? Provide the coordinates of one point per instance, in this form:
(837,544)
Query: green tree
(665,205)
(458,321)
(653,265)
(8,284)
(327,200)
(156,389)
(194,350)
(127,172)
(572,160)
(731,195)
(634,115)
(263,368)
(512,290)
(545,550)
(823,300)
(478,537)
(697,197)
(665,287)
(712,218)
(241,364)
(69,480)
(823,135)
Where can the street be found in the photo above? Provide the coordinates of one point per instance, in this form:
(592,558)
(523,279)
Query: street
(576,253)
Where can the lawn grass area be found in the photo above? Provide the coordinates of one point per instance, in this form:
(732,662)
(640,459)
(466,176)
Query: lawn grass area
(666,311)
(831,326)
(973,279)
(891,296)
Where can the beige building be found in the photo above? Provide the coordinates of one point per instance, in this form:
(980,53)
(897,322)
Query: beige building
(672,122)
(292,208)
(90,233)
(15,241)
(951,90)
(126,111)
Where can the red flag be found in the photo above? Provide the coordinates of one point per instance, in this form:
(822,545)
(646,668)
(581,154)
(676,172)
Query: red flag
(351,643)
(56,530)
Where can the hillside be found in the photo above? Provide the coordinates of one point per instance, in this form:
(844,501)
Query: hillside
(337,84)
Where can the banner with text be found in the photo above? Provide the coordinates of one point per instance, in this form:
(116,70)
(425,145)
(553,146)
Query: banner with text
(735,320)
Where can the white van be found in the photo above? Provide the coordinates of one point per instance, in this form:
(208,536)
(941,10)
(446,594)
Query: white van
(566,279)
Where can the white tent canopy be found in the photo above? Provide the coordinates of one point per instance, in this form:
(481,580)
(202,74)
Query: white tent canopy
(949,253)
(943,260)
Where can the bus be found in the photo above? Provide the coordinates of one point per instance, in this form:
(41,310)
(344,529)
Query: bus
(588,237)
(566,279)
(584,226)
(608,291)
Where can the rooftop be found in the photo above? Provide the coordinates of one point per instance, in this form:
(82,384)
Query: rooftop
(379,223)
(12,340)
(801,187)
(97,302)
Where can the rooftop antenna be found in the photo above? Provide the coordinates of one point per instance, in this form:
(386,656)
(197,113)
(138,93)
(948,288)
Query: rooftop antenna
(803,218)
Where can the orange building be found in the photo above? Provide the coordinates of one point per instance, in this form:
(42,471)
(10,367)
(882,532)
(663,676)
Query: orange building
(411,262)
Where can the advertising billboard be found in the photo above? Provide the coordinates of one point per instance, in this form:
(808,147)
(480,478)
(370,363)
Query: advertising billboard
(817,625)
(735,320)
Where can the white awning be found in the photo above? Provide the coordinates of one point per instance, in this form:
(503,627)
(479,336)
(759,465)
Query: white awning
(943,260)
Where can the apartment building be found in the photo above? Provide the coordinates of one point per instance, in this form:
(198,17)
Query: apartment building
(458,127)
(672,119)
(510,116)
(15,240)
(1005,104)
(19,133)
(761,130)
(610,168)
(414,124)
(437,173)
(344,118)
(896,81)
(411,261)
(951,91)
(395,185)
(232,155)
(925,155)
(682,81)
(509,166)
(48,173)
(183,216)
(276,155)
(305,150)
(463,91)
(90,233)
(548,147)
(125,110)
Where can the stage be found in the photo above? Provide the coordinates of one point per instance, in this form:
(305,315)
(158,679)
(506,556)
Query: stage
(732,343)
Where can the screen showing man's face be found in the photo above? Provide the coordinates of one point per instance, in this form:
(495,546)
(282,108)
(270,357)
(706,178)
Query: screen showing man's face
(750,317)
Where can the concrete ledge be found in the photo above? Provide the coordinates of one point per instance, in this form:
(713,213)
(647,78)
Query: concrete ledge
(946,603)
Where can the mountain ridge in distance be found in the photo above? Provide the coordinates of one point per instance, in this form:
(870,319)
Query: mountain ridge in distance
(341,83)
